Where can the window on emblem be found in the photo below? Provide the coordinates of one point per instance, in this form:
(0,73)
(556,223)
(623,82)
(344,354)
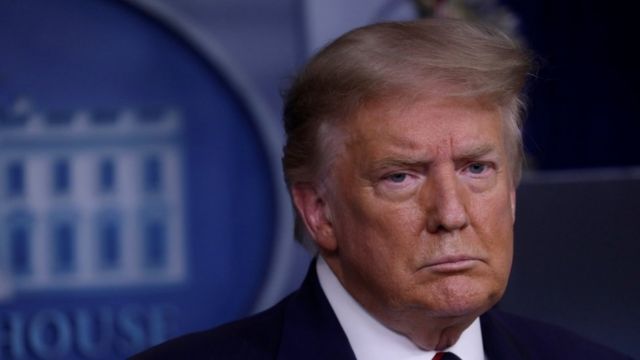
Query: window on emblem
(61,177)
(106,175)
(63,248)
(155,244)
(19,250)
(109,245)
(152,174)
(15,179)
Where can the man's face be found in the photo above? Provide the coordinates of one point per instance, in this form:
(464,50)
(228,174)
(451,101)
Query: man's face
(421,209)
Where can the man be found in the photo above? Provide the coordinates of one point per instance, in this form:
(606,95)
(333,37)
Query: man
(402,158)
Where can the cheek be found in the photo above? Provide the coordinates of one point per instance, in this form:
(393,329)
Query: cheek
(379,232)
(393,226)
(492,209)
(492,218)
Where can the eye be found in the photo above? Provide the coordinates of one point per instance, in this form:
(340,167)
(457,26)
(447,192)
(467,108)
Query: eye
(477,168)
(398,184)
(397,177)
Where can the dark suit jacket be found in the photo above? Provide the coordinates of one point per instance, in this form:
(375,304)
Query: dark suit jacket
(303,326)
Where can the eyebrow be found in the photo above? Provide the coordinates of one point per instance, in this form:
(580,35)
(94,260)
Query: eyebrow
(401,161)
(474,152)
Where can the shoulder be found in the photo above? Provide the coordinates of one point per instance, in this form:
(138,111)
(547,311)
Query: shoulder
(541,340)
(254,337)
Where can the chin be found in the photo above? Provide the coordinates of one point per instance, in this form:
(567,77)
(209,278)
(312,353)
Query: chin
(461,309)
(464,299)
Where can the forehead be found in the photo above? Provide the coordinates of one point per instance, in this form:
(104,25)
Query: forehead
(433,125)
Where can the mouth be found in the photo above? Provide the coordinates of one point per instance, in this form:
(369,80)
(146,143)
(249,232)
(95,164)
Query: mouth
(457,263)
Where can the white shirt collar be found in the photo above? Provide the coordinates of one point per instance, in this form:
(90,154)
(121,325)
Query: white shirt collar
(370,340)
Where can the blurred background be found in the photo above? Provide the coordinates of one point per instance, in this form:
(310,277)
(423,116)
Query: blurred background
(141,194)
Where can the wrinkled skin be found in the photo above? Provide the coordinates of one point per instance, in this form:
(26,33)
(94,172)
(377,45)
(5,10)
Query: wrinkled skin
(416,215)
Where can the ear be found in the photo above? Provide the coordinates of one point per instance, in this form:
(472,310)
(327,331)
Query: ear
(512,198)
(315,213)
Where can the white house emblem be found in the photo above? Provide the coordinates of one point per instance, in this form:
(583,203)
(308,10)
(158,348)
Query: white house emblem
(90,199)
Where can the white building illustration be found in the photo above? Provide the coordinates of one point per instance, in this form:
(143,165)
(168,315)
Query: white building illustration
(90,199)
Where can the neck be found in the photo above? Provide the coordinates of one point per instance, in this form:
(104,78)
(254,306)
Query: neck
(425,331)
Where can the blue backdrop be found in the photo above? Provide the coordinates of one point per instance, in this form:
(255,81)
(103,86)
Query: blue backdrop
(68,67)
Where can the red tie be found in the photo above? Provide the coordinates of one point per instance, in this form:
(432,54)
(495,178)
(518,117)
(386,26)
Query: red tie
(445,356)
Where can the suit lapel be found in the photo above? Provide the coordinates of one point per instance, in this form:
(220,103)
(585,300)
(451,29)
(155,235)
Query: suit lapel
(311,329)
(498,341)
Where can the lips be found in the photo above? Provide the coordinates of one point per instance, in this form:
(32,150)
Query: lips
(453,263)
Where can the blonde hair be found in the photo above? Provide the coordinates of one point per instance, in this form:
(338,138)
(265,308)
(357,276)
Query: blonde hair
(400,61)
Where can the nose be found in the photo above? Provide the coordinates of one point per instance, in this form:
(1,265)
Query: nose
(445,202)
